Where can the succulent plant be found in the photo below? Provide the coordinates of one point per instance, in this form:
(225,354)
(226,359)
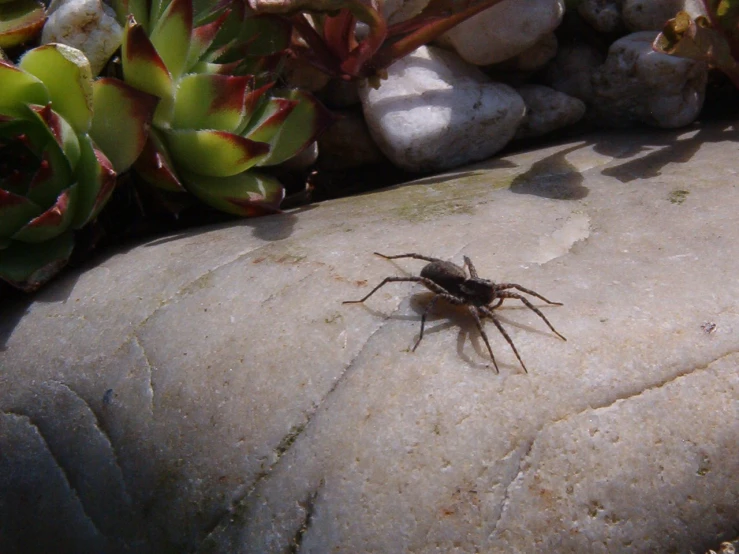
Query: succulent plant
(329,38)
(63,138)
(219,116)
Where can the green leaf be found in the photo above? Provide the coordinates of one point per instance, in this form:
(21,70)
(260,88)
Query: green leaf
(142,66)
(15,212)
(211,102)
(266,34)
(53,175)
(202,38)
(244,194)
(20,21)
(214,153)
(171,36)
(121,120)
(268,117)
(137,8)
(66,73)
(95,183)
(58,130)
(19,88)
(302,126)
(27,267)
(155,166)
(52,222)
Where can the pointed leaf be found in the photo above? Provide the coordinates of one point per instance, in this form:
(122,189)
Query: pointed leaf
(95,183)
(268,119)
(211,102)
(338,32)
(15,212)
(121,121)
(171,36)
(216,68)
(245,194)
(53,174)
(58,130)
(302,126)
(50,223)
(66,73)
(427,26)
(27,267)
(19,88)
(156,168)
(265,34)
(214,153)
(137,8)
(142,66)
(202,38)
(20,21)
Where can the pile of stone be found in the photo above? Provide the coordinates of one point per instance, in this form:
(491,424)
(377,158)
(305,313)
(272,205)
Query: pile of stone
(521,69)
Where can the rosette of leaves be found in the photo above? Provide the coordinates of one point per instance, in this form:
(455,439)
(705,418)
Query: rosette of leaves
(219,116)
(54,178)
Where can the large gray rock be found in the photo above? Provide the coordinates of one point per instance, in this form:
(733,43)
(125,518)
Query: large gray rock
(209,393)
(435,112)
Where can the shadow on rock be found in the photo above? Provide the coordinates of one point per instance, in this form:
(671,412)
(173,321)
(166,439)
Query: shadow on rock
(552,177)
(656,149)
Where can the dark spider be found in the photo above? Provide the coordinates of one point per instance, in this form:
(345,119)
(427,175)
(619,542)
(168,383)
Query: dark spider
(450,282)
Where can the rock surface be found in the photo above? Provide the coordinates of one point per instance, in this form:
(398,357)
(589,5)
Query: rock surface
(637,84)
(88,25)
(209,393)
(547,110)
(435,112)
(504,30)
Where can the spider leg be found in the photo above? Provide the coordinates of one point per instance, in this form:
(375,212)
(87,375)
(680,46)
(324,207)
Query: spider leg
(496,305)
(530,306)
(503,332)
(502,286)
(385,281)
(429,306)
(476,316)
(470,267)
(416,256)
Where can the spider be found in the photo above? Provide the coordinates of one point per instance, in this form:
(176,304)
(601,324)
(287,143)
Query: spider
(481,296)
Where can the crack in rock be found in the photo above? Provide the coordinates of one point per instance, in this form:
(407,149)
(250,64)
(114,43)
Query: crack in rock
(285,445)
(659,384)
(149,371)
(308,507)
(525,450)
(523,464)
(67,481)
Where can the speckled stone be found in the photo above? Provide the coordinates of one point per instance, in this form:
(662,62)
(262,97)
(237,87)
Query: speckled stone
(208,392)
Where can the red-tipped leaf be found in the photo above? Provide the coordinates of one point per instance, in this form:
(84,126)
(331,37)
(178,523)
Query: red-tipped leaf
(214,153)
(143,68)
(211,102)
(121,120)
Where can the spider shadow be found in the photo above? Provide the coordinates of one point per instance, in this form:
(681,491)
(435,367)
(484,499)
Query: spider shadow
(460,317)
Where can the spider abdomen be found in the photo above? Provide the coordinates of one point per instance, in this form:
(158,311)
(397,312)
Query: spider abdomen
(445,274)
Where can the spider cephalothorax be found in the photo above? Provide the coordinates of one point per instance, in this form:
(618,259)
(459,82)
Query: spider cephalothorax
(481,296)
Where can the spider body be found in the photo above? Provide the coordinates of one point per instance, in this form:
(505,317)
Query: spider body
(481,296)
(454,280)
